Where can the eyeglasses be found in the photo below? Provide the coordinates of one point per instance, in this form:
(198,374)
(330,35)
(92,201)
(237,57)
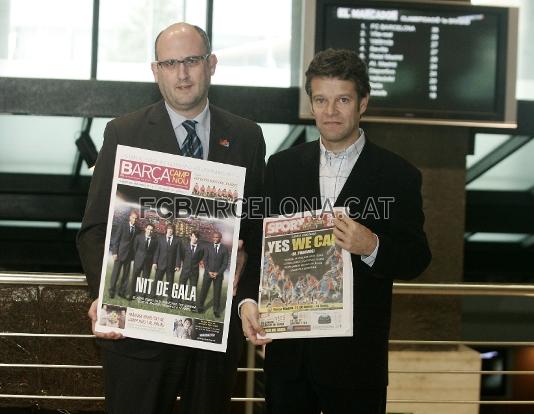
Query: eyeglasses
(189,62)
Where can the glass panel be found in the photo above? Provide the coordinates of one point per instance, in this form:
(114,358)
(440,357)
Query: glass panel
(514,173)
(525,72)
(498,237)
(46,39)
(274,135)
(39,144)
(127,31)
(525,53)
(484,144)
(252,40)
(31,224)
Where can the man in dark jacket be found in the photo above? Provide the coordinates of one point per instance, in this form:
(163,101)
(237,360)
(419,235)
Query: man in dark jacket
(145,246)
(122,254)
(345,168)
(215,263)
(146,376)
(188,260)
(165,256)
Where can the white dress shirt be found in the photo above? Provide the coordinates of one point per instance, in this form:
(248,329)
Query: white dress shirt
(334,169)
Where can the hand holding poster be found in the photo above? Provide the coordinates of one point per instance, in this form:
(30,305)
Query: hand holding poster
(171,247)
(306,280)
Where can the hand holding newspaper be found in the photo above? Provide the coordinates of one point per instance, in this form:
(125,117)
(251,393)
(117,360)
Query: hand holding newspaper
(306,280)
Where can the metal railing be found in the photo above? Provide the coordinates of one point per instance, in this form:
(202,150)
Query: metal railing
(441,289)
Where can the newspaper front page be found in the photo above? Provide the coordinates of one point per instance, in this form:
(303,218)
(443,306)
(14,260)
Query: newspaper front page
(171,247)
(306,280)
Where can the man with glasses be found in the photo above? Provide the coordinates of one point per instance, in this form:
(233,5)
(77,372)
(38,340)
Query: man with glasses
(143,376)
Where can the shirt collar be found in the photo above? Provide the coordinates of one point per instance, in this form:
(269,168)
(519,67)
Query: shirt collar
(177,119)
(350,151)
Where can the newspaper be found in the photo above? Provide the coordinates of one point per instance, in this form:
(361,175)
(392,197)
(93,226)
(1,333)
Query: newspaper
(171,248)
(306,280)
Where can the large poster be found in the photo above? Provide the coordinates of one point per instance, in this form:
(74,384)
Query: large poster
(306,280)
(171,248)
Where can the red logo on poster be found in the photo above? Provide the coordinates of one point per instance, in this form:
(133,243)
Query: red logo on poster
(155,174)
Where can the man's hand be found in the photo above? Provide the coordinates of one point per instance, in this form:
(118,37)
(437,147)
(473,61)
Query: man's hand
(154,266)
(250,321)
(240,263)
(103,335)
(353,237)
(114,257)
(213,275)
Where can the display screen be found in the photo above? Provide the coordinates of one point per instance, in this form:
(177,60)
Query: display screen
(429,61)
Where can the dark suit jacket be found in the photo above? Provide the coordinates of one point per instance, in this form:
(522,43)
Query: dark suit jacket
(216,262)
(187,261)
(151,128)
(361,360)
(142,255)
(122,241)
(165,255)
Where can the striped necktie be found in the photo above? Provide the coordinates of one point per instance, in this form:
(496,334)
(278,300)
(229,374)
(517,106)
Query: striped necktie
(192,146)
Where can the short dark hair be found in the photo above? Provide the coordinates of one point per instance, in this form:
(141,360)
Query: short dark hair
(195,232)
(200,31)
(169,226)
(342,64)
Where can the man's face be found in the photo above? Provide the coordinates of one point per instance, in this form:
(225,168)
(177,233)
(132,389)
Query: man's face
(133,218)
(194,238)
(184,88)
(169,232)
(187,323)
(216,238)
(336,111)
(148,231)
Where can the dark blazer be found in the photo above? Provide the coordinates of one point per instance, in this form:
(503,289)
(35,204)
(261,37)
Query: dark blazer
(233,140)
(165,255)
(216,261)
(360,360)
(121,242)
(188,262)
(142,255)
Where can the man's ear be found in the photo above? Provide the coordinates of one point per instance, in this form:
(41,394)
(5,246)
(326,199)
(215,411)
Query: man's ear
(363,104)
(212,61)
(154,67)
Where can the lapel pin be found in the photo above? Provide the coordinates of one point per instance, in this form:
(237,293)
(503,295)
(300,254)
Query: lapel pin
(224,142)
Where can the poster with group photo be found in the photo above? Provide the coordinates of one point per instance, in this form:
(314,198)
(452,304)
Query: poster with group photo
(306,280)
(170,249)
